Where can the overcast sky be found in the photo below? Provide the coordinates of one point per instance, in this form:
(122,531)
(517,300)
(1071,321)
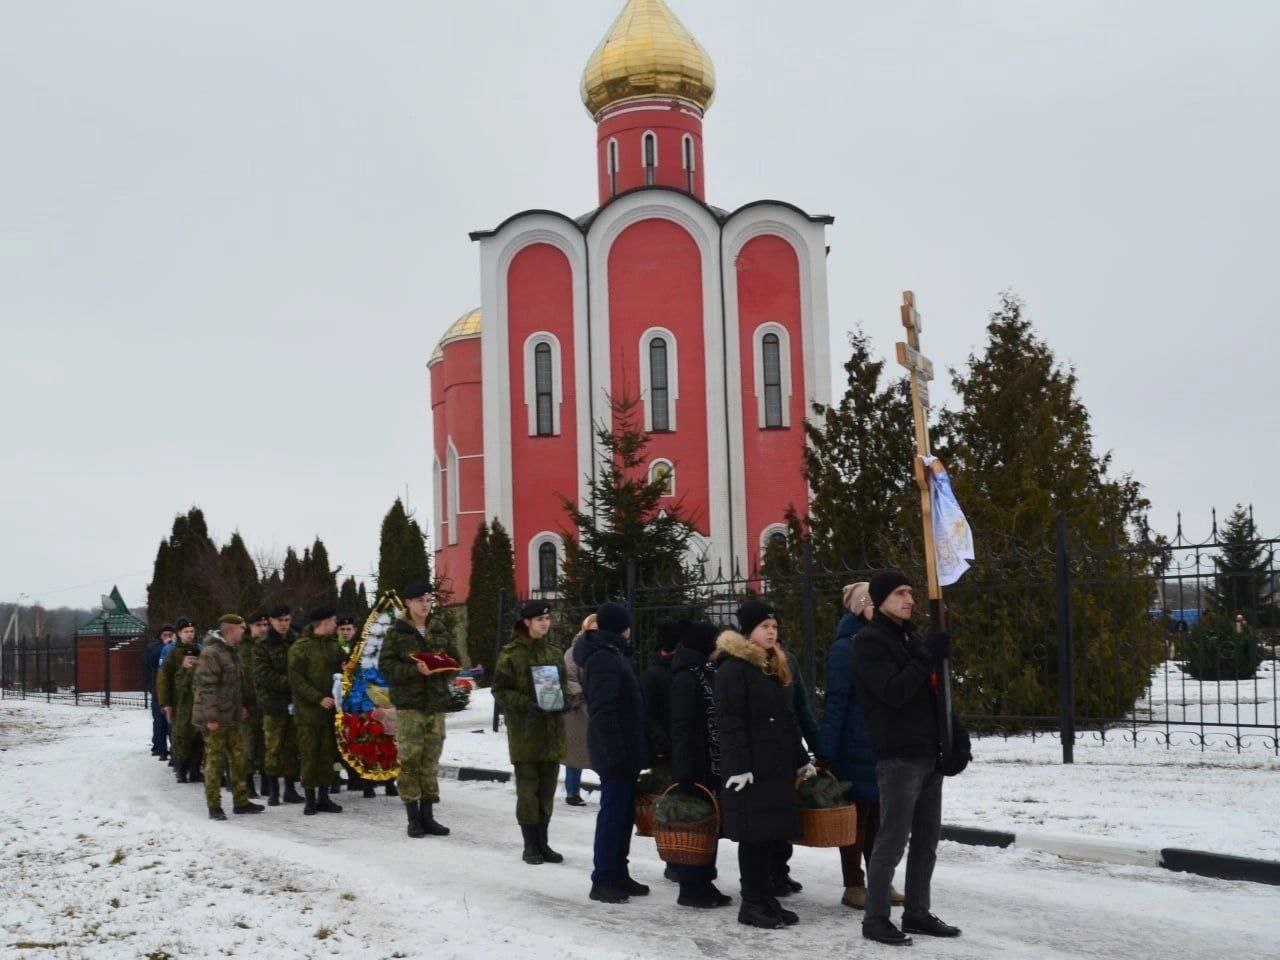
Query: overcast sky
(230,233)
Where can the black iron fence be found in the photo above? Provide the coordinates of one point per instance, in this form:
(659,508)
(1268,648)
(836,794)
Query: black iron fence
(103,670)
(1122,643)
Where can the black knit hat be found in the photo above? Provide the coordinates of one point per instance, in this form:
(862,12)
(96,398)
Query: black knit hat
(884,582)
(321,613)
(613,618)
(165,628)
(415,589)
(668,633)
(280,610)
(753,613)
(699,636)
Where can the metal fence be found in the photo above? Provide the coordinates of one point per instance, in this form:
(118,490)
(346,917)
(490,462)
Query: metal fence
(102,671)
(1114,644)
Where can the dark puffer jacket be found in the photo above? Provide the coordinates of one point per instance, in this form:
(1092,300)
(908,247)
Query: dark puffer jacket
(692,724)
(615,707)
(655,685)
(893,676)
(843,738)
(758,735)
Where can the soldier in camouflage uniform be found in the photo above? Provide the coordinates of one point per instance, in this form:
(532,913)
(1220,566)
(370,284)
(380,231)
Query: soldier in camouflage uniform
(219,711)
(420,694)
(255,747)
(173,686)
(313,660)
(535,732)
(271,691)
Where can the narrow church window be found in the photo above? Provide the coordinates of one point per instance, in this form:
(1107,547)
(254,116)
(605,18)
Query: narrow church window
(772,380)
(542,387)
(548,561)
(650,157)
(613,168)
(659,391)
(688,163)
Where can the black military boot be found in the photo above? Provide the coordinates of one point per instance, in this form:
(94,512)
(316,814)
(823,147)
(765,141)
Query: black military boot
(250,790)
(755,912)
(310,809)
(291,791)
(194,773)
(788,917)
(324,804)
(273,791)
(416,829)
(429,820)
(265,788)
(215,813)
(548,854)
(247,808)
(391,789)
(367,789)
(532,853)
(180,772)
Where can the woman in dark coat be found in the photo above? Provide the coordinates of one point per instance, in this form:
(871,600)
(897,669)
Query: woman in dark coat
(760,757)
(695,744)
(844,748)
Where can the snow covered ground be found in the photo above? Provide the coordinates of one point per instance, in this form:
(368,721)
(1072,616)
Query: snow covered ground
(104,857)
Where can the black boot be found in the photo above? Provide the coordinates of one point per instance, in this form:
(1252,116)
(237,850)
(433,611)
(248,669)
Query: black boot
(291,791)
(247,808)
(215,813)
(704,896)
(310,809)
(367,789)
(634,888)
(882,930)
(671,874)
(324,804)
(391,789)
(548,854)
(251,791)
(928,925)
(532,853)
(416,829)
(273,791)
(194,773)
(755,912)
(604,893)
(265,786)
(787,917)
(429,820)
(181,772)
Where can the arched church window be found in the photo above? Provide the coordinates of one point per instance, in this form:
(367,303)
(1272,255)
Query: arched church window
(548,562)
(543,389)
(778,540)
(659,391)
(650,157)
(771,355)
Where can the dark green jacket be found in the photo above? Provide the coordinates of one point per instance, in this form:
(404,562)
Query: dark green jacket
(245,650)
(408,689)
(312,663)
(271,674)
(170,678)
(532,735)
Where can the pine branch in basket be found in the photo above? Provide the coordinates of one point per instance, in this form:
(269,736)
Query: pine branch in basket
(822,793)
(682,808)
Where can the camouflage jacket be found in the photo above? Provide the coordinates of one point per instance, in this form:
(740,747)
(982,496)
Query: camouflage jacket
(174,681)
(245,652)
(408,689)
(219,684)
(270,671)
(533,736)
(312,663)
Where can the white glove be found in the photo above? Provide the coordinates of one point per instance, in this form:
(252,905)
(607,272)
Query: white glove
(740,782)
(807,772)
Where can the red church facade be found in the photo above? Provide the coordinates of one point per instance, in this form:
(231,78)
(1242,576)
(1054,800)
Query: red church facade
(715,320)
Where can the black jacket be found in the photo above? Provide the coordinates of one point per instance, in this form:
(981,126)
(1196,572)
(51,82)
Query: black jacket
(893,676)
(151,662)
(692,724)
(615,707)
(758,735)
(655,684)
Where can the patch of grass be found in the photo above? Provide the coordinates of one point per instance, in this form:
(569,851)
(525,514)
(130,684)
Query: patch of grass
(114,903)
(348,895)
(160,955)
(242,925)
(324,933)
(38,945)
(118,856)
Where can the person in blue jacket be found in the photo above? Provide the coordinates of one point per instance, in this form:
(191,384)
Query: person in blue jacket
(843,746)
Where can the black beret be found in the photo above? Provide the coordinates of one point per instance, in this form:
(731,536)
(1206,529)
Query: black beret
(414,589)
(346,620)
(534,608)
(182,622)
(280,610)
(321,613)
(256,617)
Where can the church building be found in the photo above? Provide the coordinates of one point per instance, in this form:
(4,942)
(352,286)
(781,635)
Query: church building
(715,320)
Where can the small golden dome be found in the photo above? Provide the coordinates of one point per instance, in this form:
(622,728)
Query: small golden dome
(647,52)
(467,325)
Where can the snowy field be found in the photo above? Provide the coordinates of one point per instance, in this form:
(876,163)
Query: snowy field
(104,857)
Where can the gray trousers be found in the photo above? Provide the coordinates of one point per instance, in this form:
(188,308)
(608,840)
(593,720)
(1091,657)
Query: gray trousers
(910,806)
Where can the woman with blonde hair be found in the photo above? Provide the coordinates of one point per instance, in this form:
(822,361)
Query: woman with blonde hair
(576,758)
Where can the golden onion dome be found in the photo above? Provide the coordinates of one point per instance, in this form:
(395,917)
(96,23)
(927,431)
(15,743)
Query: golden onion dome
(467,325)
(647,52)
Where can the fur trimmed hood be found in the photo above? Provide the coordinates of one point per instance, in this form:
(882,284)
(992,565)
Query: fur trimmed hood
(772,663)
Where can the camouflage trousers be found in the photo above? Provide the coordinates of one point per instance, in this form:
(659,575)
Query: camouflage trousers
(224,750)
(419,740)
(186,736)
(255,744)
(535,791)
(318,749)
(280,735)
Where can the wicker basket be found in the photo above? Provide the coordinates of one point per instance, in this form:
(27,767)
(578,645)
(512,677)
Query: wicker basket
(689,844)
(645,803)
(828,827)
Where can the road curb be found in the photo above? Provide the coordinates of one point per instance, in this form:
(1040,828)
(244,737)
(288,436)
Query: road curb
(1218,866)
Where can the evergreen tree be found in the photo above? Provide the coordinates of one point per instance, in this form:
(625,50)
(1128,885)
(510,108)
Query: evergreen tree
(293,582)
(492,577)
(1020,453)
(402,550)
(320,577)
(161,593)
(626,521)
(363,599)
(238,589)
(1241,582)
(351,599)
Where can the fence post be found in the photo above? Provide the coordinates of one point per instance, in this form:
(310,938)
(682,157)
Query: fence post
(807,615)
(48,667)
(106,663)
(497,647)
(23,667)
(1066,645)
(75,668)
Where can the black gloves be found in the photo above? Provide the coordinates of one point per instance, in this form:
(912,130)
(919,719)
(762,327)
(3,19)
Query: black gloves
(939,646)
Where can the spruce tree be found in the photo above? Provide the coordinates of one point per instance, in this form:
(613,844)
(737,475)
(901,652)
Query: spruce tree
(492,577)
(402,550)
(1241,582)
(160,591)
(351,600)
(1020,453)
(293,582)
(320,577)
(238,589)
